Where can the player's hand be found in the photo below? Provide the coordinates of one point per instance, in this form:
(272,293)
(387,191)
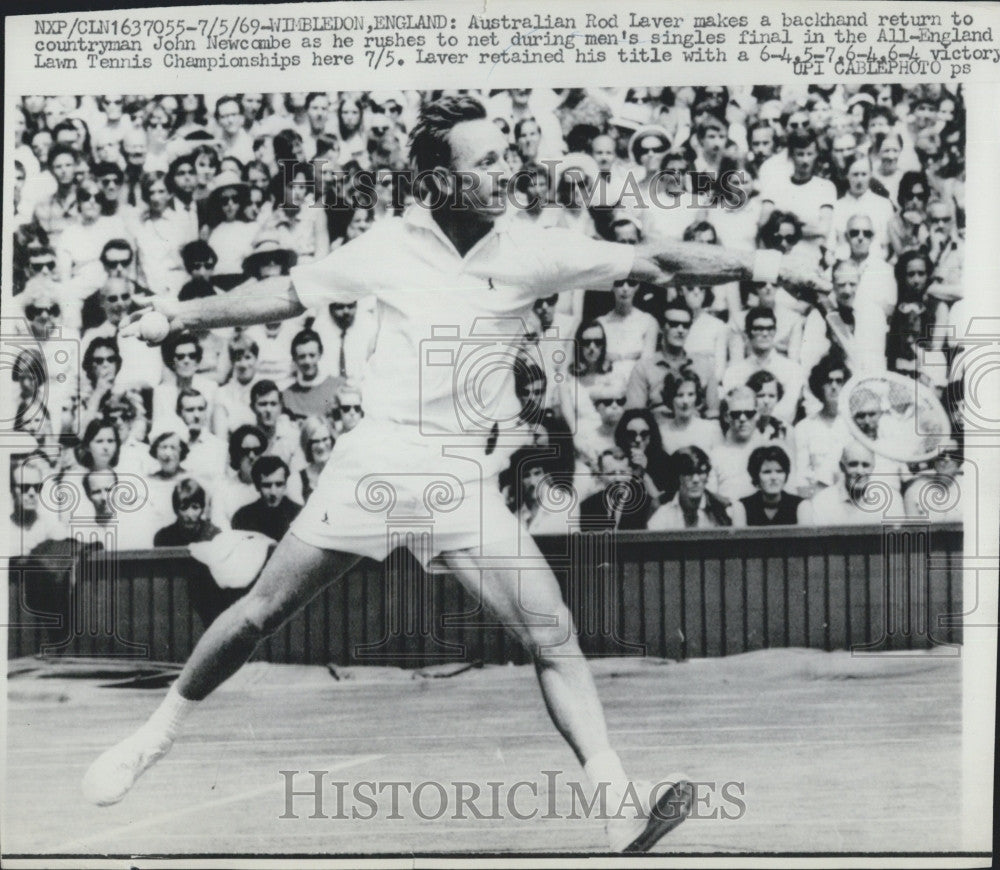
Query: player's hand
(801,274)
(169,308)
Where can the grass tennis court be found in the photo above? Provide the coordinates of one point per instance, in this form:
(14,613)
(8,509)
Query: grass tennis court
(834,753)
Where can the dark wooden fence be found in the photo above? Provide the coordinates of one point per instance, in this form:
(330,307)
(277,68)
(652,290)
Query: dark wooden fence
(675,595)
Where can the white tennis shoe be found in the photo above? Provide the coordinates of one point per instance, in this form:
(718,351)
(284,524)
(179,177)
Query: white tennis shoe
(115,771)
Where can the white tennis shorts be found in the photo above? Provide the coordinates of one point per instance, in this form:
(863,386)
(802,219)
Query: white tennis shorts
(382,489)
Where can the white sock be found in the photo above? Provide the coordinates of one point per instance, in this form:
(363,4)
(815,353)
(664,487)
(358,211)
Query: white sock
(606,766)
(168,718)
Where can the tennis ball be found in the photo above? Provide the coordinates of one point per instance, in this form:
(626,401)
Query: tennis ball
(154,327)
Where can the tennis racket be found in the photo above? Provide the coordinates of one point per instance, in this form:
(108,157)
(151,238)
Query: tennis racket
(895,416)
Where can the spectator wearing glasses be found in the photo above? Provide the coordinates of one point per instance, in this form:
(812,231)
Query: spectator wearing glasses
(630,333)
(876,282)
(946,249)
(591,439)
(60,210)
(645,383)
(236,489)
(273,512)
(191,525)
(41,263)
(229,119)
(859,199)
(349,410)
(110,177)
(199,262)
(29,524)
(729,458)
(771,505)
(317,439)
(101,364)
(115,121)
(118,261)
(230,234)
(588,371)
(639,437)
(694,506)
(680,417)
(182,353)
(311,394)
(761,327)
(647,147)
(908,228)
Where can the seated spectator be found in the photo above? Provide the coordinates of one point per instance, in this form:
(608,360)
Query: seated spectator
(638,437)
(246,445)
(876,283)
(859,199)
(761,325)
(630,333)
(118,261)
(623,502)
(349,411)
(274,348)
(908,228)
(169,450)
(693,507)
(645,384)
(98,487)
(348,336)
(311,394)
(191,526)
(946,249)
(317,439)
(729,459)
(591,441)
(273,512)
(771,504)
(101,365)
(30,523)
(79,248)
(680,416)
(182,354)
(159,238)
(126,411)
(270,418)
(768,391)
(845,502)
(536,496)
(230,234)
(233,398)
(938,495)
(100,446)
(706,342)
(199,262)
(588,374)
(206,459)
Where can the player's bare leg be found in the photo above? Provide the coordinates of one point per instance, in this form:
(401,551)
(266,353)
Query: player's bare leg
(295,573)
(532,609)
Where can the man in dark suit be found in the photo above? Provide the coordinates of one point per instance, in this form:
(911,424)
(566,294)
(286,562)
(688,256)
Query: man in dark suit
(274,511)
(624,502)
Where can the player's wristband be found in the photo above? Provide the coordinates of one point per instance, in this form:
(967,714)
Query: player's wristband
(766,266)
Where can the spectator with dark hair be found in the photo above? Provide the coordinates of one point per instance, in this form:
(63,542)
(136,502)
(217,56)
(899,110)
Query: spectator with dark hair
(182,354)
(771,505)
(623,502)
(908,228)
(821,436)
(206,458)
(768,392)
(348,331)
(589,370)
(536,495)
(273,512)
(281,433)
(646,380)
(29,524)
(946,249)
(694,506)
(630,333)
(109,176)
(159,238)
(230,234)
(246,445)
(311,394)
(760,329)
(706,342)
(100,446)
(101,364)
(639,437)
(60,210)
(80,245)
(681,416)
(295,210)
(191,525)
(199,262)
(235,140)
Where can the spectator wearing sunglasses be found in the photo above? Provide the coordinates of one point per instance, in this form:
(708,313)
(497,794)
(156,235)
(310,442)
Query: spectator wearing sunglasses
(101,365)
(189,501)
(230,234)
(859,199)
(199,262)
(592,440)
(236,489)
(631,333)
(588,371)
(730,478)
(694,506)
(29,524)
(639,437)
(645,383)
(182,354)
(349,409)
(876,282)
(760,327)
(820,437)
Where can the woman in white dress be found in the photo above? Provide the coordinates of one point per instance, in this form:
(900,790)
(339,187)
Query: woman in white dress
(159,238)
(230,233)
(589,373)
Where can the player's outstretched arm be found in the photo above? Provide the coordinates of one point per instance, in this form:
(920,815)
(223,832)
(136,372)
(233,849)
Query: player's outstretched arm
(254,301)
(669,261)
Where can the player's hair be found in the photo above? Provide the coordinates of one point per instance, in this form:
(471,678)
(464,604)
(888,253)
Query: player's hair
(236,440)
(761,377)
(267,465)
(188,492)
(820,373)
(306,336)
(430,141)
(767,453)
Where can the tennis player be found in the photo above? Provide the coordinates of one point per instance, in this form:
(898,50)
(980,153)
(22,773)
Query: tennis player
(446,263)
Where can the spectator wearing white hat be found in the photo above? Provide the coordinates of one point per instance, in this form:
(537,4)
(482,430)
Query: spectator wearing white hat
(230,234)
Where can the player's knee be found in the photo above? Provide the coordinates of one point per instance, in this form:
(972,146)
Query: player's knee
(551,645)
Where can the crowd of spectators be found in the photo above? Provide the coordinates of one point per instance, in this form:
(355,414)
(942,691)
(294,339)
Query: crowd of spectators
(669,408)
